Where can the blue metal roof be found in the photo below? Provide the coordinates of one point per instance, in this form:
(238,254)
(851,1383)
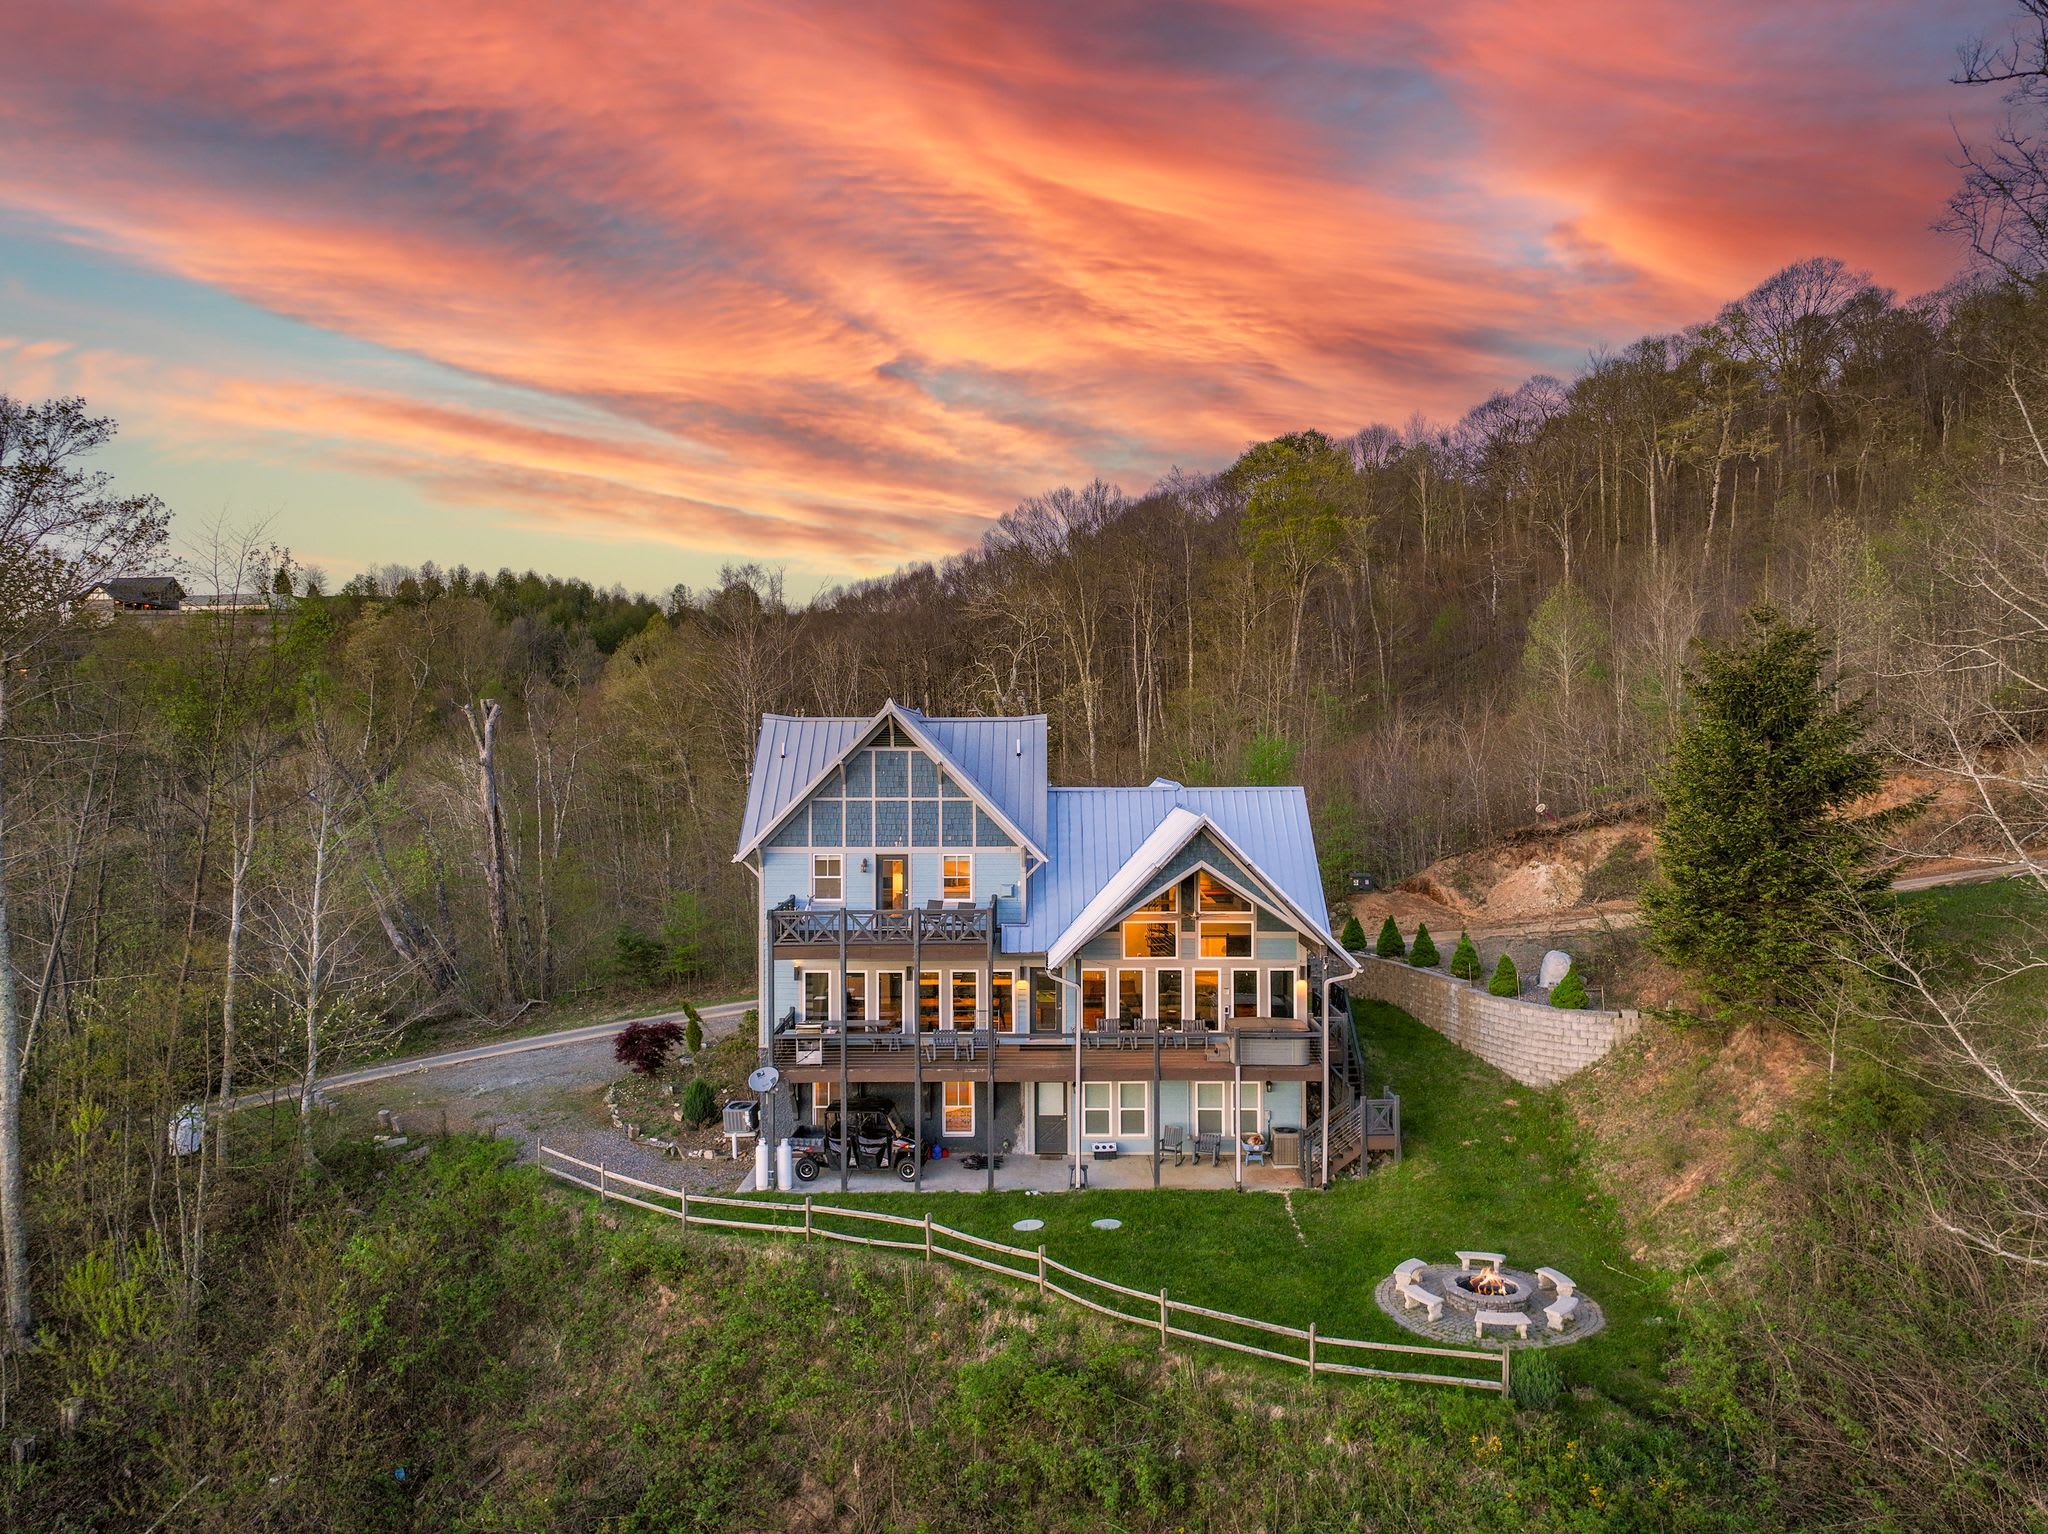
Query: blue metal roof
(1096,831)
(1003,759)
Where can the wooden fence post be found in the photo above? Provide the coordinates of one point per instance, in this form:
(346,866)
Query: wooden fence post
(685,1192)
(1311,1350)
(602,1195)
(1041,1270)
(807,1217)
(927,1235)
(1162,1318)
(1505,1354)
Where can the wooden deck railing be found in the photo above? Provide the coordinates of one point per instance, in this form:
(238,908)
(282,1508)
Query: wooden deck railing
(1303,1347)
(820,927)
(1257,1046)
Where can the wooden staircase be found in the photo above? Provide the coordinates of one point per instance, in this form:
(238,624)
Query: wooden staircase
(1359,1124)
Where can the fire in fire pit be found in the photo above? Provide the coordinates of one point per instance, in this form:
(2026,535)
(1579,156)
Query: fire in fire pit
(1490,1283)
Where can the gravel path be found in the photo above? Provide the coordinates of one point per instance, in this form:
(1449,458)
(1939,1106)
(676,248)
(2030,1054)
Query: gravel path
(547,1089)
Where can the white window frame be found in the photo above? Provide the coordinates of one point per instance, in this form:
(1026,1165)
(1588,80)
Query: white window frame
(951,1016)
(948,1107)
(1133,1097)
(1251,1095)
(1135,924)
(1143,997)
(1090,1091)
(1192,1014)
(1004,981)
(1224,889)
(834,875)
(946,890)
(1257,997)
(1230,926)
(803,990)
(1180,1020)
(1219,1090)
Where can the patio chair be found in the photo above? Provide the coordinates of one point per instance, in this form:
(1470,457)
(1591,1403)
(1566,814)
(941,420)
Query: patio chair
(1174,1138)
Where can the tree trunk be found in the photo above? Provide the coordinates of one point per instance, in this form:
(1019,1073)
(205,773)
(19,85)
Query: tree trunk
(240,854)
(315,958)
(20,1316)
(483,730)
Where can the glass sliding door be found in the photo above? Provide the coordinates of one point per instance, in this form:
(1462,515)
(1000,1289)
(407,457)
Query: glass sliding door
(966,985)
(889,998)
(1130,995)
(1094,998)
(1244,993)
(1171,1006)
(1208,998)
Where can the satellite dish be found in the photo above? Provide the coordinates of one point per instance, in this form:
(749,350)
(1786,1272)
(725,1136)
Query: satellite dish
(764,1078)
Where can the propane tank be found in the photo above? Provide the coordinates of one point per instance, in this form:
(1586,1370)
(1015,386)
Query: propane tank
(785,1164)
(762,1169)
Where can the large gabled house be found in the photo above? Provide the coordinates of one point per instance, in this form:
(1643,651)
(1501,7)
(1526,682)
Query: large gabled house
(1051,972)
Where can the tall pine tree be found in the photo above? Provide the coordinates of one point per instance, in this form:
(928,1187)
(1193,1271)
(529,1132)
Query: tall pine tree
(1759,860)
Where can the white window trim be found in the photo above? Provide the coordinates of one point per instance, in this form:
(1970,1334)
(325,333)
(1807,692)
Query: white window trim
(1221,1090)
(946,1110)
(1247,923)
(1256,1092)
(1258,990)
(838,860)
(950,1018)
(1159,1001)
(947,894)
(1107,1110)
(1124,935)
(845,999)
(1144,1129)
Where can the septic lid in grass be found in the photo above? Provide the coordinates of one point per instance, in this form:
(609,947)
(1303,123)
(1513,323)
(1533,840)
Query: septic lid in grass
(1029,1225)
(1107,1224)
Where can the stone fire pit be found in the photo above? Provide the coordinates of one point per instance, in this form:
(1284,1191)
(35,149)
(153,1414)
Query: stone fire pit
(1464,1293)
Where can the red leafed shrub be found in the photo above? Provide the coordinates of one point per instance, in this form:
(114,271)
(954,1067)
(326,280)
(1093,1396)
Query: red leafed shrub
(645,1046)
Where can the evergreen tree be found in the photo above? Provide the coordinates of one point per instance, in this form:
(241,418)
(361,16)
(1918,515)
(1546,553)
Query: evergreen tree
(699,1105)
(1507,980)
(1423,955)
(693,1031)
(1353,937)
(1390,945)
(1465,958)
(1758,860)
(1570,991)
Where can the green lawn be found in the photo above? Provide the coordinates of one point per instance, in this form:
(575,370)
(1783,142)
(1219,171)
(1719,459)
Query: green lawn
(1960,923)
(1489,1164)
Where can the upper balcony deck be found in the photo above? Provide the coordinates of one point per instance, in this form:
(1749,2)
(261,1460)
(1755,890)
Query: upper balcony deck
(816,930)
(1274,1048)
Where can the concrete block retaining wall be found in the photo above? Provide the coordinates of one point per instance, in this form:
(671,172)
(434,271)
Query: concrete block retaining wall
(1537,1044)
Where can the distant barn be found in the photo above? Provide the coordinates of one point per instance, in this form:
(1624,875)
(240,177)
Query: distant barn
(139,593)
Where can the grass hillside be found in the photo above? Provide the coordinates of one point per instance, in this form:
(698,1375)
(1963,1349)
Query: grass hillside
(531,1361)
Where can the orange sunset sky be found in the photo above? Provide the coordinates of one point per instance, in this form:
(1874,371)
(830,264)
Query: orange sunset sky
(632,290)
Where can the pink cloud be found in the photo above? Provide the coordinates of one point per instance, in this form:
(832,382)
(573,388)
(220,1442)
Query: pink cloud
(832,273)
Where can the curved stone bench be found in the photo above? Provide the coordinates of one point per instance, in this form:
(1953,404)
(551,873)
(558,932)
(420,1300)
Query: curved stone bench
(1481,1320)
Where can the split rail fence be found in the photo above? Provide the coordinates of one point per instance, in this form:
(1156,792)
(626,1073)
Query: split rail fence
(933,1240)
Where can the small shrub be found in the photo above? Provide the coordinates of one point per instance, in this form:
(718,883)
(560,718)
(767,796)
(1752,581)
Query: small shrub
(700,1107)
(693,1031)
(1535,1379)
(1353,937)
(1507,980)
(645,1046)
(1423,955)
(1465,958)
(1570,991)
(1390,945)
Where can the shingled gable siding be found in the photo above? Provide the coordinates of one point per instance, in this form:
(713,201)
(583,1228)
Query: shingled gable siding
(1537,1044)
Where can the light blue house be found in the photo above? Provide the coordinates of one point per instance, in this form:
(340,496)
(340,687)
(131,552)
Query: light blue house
(1054,972)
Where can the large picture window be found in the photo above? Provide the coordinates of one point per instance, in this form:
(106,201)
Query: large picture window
(1244,993)
(1251,1107)
(1002,1001)
(827,880)
(1208,987)
(957,1116)
(1151,939)
(1226,940)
